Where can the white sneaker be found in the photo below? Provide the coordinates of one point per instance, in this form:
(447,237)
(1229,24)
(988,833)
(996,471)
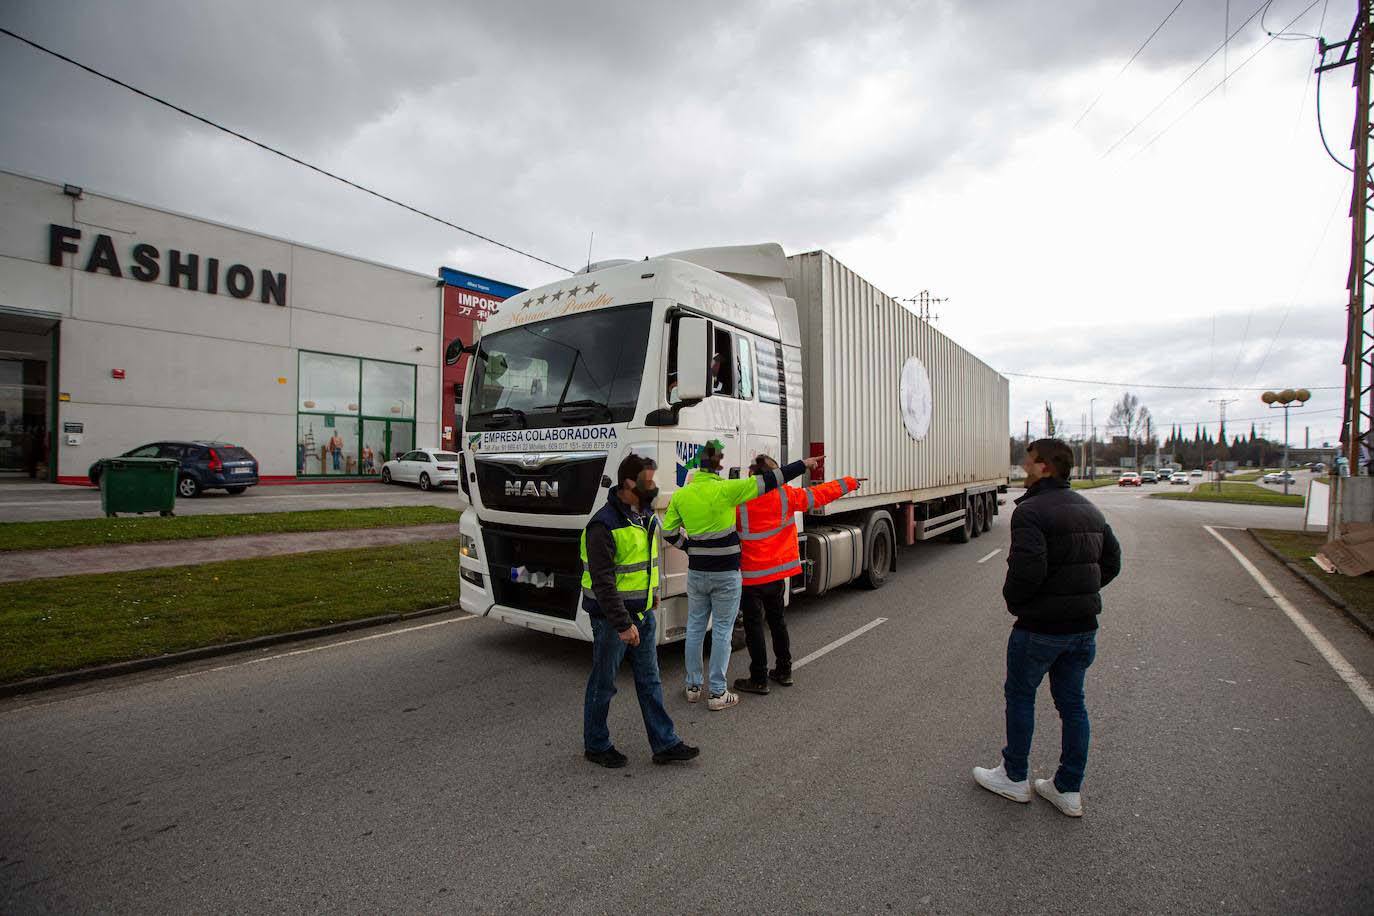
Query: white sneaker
(996,781)
(724,701)
(693,693)
(1070,803)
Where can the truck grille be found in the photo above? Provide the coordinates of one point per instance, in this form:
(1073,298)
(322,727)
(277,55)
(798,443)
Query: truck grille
(543,550)
(559,486)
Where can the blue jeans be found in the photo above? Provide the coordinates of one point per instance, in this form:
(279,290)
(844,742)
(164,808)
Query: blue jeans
(608,649)
(1066,659)
(711,596)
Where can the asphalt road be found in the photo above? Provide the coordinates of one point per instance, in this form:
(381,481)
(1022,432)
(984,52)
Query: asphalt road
(439,769)
(25,501)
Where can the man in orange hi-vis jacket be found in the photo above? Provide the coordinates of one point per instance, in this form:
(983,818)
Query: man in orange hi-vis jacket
(768,558)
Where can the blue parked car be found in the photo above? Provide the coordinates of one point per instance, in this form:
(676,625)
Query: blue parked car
(204,466)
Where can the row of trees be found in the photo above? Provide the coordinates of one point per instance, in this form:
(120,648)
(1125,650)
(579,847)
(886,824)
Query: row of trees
(1130,430)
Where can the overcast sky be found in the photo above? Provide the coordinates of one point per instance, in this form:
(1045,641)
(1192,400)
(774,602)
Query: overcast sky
(928,145)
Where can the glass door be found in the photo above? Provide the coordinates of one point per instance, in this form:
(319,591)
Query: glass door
(400,437)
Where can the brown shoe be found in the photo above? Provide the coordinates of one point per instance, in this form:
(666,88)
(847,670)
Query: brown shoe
(747,685)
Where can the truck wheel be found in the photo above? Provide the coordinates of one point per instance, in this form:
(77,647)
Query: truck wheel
(979,507)
(878,552)
(964,533)
(989,510)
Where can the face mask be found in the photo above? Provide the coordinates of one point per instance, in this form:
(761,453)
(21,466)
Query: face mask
(646,497)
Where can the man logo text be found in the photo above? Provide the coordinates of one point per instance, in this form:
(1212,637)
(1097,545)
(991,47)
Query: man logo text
(541,488)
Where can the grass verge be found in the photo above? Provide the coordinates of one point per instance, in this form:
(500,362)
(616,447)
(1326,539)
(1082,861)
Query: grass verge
(1093,484)
(53,625)
(1246,493)
(88,532)
(1299,547)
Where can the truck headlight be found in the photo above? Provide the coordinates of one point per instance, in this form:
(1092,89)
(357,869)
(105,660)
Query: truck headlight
(467,545)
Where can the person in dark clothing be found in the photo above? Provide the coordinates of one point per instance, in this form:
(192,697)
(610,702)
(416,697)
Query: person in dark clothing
(1062,553)
(620,579)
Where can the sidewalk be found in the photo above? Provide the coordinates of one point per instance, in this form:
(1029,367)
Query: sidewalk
(23,565)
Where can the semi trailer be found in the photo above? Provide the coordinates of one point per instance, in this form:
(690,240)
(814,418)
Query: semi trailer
(787,356)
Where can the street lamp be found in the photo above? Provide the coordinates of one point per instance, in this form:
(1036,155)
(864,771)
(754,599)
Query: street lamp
(1092,442)
(1283,400)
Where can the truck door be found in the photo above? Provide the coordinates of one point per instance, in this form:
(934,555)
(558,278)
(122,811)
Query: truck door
(759,422)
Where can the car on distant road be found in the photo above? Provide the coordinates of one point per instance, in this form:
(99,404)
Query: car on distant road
(1278,477)
(1179,480)
(1128,479)
(425,467)
(1195,472)
(1319,468)
(1148,477)
(1164,474)
(203,466)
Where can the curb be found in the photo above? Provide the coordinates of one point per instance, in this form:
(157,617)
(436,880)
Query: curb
(1316,584)
(117,669)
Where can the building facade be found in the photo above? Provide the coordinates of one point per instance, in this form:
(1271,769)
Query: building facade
(468,300)
(122,324)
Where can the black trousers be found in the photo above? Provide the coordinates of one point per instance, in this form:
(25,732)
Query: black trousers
(760,602)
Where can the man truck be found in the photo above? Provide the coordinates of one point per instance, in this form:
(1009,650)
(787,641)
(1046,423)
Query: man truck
(786,356)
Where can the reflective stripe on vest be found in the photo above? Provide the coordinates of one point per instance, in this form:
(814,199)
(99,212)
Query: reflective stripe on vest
(761,573)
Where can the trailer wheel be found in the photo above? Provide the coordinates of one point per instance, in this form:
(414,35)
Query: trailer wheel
(964,533)
(979,507)
(989,510)
(879,552)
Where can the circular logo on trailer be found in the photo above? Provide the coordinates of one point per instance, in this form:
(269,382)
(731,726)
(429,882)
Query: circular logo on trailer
(916,400)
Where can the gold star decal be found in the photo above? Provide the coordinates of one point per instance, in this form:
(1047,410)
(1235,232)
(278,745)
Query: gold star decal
(556,296)
(591,287)
(544,298)
(572,293)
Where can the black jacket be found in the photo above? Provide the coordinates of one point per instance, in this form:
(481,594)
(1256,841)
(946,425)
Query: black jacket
(1062,552)
(609,603)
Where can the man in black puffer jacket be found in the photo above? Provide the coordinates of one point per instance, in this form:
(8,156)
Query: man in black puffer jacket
(1062,553)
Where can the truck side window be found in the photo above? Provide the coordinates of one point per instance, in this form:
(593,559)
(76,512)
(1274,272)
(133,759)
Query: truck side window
(745,367)
(722,364)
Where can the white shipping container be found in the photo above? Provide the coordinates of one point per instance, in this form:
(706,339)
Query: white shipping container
(888,396)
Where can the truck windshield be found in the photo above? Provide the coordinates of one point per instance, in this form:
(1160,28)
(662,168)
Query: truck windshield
(575,369)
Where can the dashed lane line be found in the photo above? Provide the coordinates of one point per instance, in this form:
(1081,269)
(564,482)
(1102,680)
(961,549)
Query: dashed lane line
(1333,657)
(991,555)
(830,647)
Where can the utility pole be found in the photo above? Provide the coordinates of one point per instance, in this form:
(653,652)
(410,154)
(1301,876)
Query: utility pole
(1358,408)
(1221,405)
(1028,434)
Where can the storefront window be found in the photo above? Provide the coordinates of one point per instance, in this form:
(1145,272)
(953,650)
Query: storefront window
(328,384)
(388,390)
(353,416)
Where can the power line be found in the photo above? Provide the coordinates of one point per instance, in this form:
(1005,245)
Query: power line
(258,143)
(1208,93)
(1321,130)
(1089,381)
(1128,64)
(1185,81)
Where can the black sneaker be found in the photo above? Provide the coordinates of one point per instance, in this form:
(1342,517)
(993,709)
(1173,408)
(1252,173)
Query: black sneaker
(749,685)
(610,758)
(678,753)
(782,677)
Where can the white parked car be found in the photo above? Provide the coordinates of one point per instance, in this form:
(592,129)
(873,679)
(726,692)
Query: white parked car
(1178,479)
(1195,472)
(1278,477)
(427,467)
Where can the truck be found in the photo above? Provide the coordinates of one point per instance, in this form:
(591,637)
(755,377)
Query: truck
(769,354)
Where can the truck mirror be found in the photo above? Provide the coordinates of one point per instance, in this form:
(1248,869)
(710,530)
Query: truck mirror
(692,354)
(454,351)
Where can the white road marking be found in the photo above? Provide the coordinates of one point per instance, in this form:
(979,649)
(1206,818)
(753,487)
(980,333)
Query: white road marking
(839,642)
(991,555)
(1333,657)
(332,645)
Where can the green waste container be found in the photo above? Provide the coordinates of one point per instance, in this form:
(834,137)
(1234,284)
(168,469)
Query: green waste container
(138,485)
